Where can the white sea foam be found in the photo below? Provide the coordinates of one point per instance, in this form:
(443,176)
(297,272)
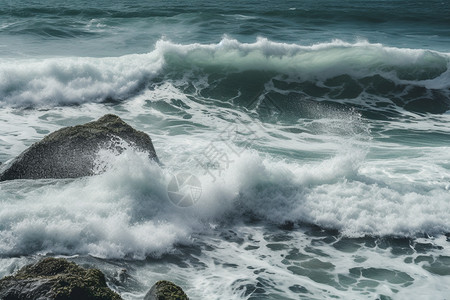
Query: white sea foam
(105,216)
(126,212)
(251,261)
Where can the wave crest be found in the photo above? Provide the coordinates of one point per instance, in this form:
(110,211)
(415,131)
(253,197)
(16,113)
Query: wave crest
(70,81)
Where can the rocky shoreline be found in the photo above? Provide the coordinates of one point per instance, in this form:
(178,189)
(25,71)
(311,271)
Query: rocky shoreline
(59,279)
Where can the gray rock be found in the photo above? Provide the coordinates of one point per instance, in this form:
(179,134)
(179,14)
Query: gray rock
(166,290)
(53,278)
(70,152)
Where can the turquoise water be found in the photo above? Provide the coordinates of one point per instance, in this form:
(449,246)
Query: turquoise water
(317,130)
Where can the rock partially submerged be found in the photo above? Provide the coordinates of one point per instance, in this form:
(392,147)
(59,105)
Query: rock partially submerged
(70,152)
(53,278)
(166,290)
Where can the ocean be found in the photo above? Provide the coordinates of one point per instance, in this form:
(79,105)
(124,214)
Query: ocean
(305,145)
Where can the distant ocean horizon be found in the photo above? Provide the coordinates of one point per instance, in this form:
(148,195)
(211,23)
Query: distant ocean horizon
(305,145)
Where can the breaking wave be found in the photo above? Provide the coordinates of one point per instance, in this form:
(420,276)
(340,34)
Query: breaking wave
(358,73)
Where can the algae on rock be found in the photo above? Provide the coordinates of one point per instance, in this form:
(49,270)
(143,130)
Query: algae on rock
(166,290)
(56,278)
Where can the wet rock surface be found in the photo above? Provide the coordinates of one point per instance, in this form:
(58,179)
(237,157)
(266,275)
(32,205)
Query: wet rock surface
(71,151)
(165,290)
(56,278)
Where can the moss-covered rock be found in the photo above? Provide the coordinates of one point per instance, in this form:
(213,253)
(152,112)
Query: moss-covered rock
(166,290)
(53,278)
(70,152)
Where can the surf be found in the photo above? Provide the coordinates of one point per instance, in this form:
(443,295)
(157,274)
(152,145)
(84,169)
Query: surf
(336,71)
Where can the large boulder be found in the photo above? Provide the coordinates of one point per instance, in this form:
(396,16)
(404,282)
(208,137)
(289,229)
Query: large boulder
(53,278)
(165,290)
(70,152)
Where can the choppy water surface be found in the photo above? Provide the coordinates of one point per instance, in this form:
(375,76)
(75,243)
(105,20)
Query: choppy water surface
(317,132)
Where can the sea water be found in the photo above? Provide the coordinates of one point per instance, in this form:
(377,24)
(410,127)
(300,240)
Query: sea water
(313,134)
